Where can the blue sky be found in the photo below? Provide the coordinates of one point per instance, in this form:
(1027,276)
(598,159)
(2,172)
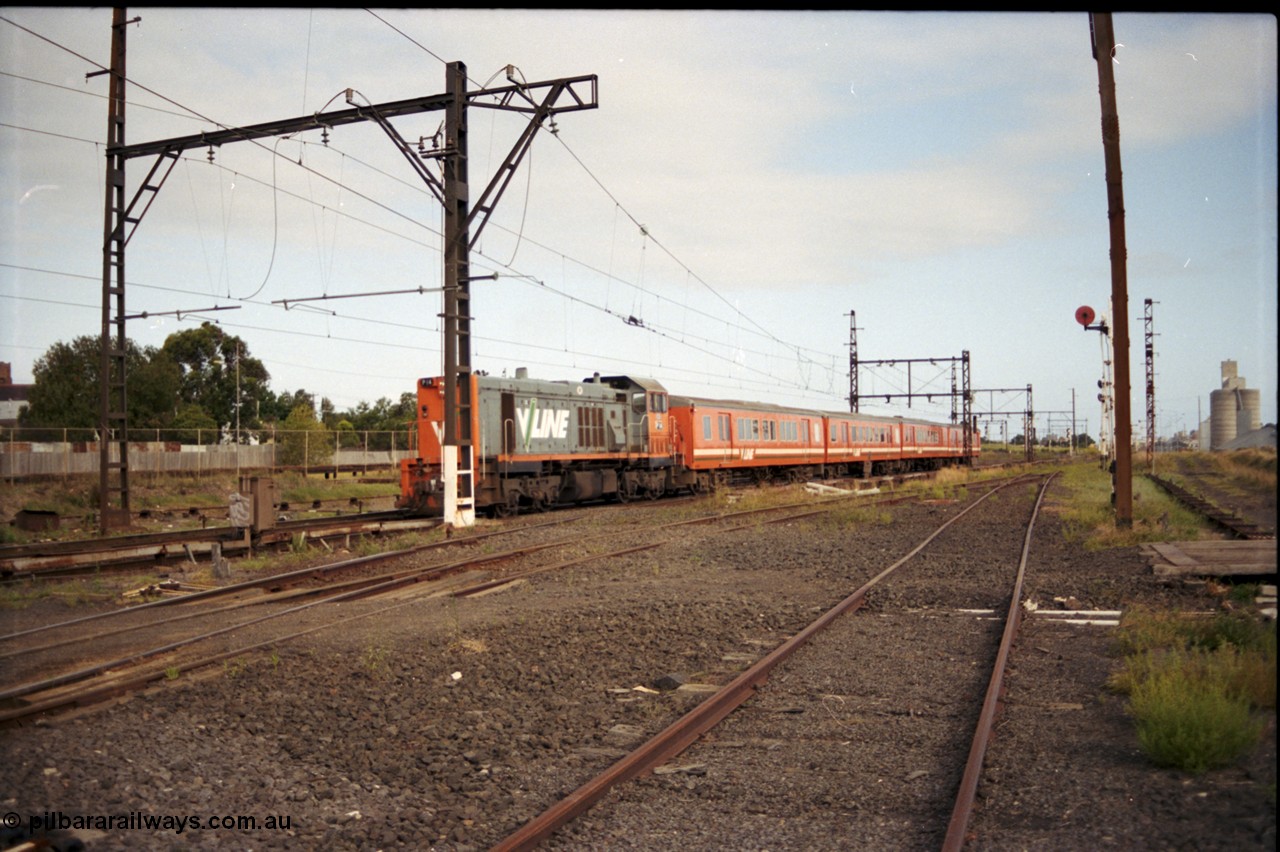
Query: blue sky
(939,174)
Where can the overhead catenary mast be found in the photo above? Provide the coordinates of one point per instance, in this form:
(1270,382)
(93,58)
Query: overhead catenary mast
(463,225)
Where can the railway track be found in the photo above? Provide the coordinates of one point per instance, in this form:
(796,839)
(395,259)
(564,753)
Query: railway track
(1227,521)
(182,623)
(69,559)
(840,722)
(117,665)
(62,559)
(453,720)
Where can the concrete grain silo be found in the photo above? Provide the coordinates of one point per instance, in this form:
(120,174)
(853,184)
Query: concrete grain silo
(1222,418)
(1249,411)
(1234,410)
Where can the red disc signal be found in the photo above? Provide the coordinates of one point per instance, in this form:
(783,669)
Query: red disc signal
(1085,315)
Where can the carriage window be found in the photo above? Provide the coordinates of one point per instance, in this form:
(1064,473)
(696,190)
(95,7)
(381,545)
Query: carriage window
(724,426)
(706,426)
(658,402)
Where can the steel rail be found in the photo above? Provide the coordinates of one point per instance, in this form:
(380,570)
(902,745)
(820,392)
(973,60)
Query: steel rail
(687,729)
(277,579)
(993,702)
(63,559)
(1224,520)
(367,587)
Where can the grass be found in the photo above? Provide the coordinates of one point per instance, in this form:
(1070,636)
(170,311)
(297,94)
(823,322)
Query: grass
(71,593)
(1236,472)
(849,514)
(1187,719)
(1089,515)
(1196,685)
(376,660)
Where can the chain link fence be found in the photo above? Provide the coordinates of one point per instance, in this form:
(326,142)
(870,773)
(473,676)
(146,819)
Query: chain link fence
(45,453)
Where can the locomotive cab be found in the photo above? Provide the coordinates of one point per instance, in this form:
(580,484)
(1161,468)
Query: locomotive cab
(648,423)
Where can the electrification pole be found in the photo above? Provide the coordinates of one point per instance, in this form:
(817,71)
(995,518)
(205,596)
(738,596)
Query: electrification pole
(539,101)
(1149,340)
(853,361)
(113,423)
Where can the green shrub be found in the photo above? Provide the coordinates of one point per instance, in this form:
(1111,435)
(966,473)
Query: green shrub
(1188,717)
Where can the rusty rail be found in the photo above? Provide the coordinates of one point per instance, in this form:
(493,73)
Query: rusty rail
(1224,520)
(685,731)
(993,703)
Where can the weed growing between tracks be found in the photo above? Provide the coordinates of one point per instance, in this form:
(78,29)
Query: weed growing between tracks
(21,594)
(1196,685)
(1089,515)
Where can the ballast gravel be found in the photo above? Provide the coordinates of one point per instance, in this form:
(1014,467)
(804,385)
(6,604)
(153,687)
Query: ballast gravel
(448,723)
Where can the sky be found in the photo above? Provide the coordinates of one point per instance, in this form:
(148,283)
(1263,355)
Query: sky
(747,181)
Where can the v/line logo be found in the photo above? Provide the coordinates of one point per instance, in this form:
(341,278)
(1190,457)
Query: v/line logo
(534,423)
(542,423)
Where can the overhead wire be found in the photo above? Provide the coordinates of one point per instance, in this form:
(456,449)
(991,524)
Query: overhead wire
(766,381)
(619,206)
(275,153)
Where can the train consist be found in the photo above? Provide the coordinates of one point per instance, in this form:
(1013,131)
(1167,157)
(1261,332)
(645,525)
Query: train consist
(542,443)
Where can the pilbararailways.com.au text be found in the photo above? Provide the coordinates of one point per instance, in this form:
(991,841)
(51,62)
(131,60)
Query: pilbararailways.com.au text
(139,821)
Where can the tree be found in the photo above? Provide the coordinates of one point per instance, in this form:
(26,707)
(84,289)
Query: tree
(195,425)
(277,408)
(65,394)
(383,418)
(213,368)
(305,441)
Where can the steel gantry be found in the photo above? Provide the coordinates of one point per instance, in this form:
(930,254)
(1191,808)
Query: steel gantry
(960,391)
(463,225)
(1028,416)
(1150,341)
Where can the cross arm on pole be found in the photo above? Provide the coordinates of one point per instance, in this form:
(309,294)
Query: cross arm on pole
(539,112)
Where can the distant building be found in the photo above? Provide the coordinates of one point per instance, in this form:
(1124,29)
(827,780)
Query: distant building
(13,398)
(1257,439)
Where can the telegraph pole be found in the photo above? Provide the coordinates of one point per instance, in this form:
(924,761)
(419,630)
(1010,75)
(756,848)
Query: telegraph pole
(1104,45)
(458,471)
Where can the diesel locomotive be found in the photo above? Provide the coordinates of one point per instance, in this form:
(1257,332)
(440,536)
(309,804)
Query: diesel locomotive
(540,443)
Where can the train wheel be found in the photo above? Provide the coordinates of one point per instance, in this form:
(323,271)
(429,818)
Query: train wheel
(509,509)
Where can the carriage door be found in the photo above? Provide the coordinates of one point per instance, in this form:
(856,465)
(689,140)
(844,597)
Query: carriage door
(660,436)
(508,408)
(638,431)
